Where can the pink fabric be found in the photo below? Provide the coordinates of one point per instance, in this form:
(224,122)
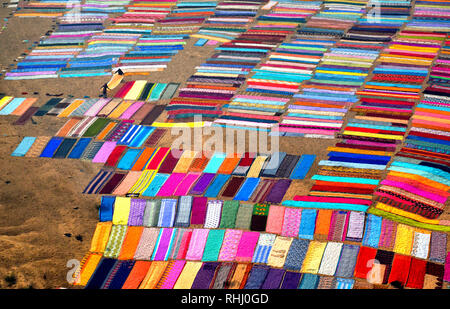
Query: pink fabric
(104,152)
(197,244)
(130,111)
(275,219)
(97,107)
(173,275)
(186,184)
(247,246)
(414,190)
(230,245)
(447,268)
(291,222)
(171,184)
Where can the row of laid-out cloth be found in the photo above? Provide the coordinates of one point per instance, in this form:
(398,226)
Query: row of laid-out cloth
(134,107)
(52,8)
(236,185)
(161,246)
(306,223)
(166,160)
(182,274)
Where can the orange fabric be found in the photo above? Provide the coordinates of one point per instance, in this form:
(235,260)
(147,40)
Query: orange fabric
(71,108)
(199,164)
(238,276)
(137,274)
(425,126)
(143,159)
(101,236)
(154,273)
(130,242)
(323,221)
(26,104)
(106,130)
(68,126)
(228,165)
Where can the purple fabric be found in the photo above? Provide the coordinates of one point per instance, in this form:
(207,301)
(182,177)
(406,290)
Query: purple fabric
(202,183)
(137,208)
(205,276)
(163,245)
(273,279)
(291,280)
(278,191)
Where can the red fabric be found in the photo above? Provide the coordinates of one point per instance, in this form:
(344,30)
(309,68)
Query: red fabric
(115,155)
(364,256)
(400,268)
(156,160)
(124,90)
(416,275)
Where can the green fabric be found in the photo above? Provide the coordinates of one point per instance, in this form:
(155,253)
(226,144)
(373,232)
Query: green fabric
(96,127)
(115,240)
(261,209)
(213,245)
(244,217)
(229,213)
(151,213)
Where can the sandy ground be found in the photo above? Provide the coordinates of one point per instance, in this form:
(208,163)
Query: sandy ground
(45,220)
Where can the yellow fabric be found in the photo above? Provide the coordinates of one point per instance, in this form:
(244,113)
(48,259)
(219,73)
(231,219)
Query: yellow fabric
(88,268)
(121,210)
(114,81)
(136,90)
(101,236)
(256,167)
(279,251)
(118,111)
(143,182)
(360,151)
(69,109)
(185,161)
(4,101)
(210,37)
(179,124)
(386,136)
(187,276)
(313,257)
(404,239)
(154,273)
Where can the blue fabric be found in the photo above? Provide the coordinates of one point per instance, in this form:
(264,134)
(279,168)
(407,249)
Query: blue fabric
(303,166)
(128,159)
(156,184)
(101,273)
(24,146)
(51,147)
(121,275)
(141,137)
(307,224)
(309,282)
(372,231)
(79,148)
(216,186)
(106,210)
(246,190)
